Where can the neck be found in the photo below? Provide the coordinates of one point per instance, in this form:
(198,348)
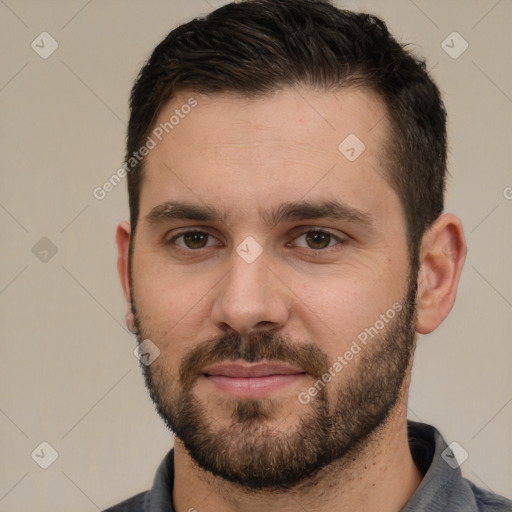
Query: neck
(381,475)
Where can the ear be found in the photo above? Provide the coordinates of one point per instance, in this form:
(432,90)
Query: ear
(442,255)
(123,234)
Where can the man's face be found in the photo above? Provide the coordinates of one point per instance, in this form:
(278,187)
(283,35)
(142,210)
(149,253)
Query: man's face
(284,339)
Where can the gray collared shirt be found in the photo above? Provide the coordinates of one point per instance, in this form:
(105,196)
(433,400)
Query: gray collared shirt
(443,489)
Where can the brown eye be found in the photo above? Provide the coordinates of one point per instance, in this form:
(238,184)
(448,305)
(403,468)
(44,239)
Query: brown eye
(192,240)
(318,239)
(195,240)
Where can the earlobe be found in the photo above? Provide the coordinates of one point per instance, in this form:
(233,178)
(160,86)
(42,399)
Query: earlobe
(123,233)
(442,256)
(130,321)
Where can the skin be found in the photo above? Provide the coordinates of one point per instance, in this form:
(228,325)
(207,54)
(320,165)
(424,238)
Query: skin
(242,155)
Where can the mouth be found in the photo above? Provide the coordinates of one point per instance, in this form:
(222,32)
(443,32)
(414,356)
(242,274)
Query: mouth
(246,380)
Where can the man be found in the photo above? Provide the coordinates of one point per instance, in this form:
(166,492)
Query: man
(286,170)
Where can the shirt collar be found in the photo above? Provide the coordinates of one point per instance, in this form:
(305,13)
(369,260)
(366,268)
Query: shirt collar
(443,487)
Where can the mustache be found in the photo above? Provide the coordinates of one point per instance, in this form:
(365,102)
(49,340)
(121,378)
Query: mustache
(259,346)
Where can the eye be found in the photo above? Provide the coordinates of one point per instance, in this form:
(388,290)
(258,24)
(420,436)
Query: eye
(318,239)
(192,239)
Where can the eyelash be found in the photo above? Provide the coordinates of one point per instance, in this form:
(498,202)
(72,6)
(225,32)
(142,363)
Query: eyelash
(328,249)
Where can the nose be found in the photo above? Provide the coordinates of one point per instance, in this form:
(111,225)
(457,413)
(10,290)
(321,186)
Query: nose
(251,297)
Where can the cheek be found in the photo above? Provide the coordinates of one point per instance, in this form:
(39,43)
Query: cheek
(170,304)
(334,310)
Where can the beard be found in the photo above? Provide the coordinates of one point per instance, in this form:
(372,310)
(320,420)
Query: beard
(333,426)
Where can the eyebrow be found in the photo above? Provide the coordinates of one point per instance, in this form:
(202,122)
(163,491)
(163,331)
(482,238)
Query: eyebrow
(289,211)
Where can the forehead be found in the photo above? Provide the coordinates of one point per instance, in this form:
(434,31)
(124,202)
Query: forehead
(236,152)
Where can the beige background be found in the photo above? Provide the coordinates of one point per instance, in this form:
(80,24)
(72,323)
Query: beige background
(68,374)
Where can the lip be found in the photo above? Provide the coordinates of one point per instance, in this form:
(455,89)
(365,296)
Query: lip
(246,380)
(233,369)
